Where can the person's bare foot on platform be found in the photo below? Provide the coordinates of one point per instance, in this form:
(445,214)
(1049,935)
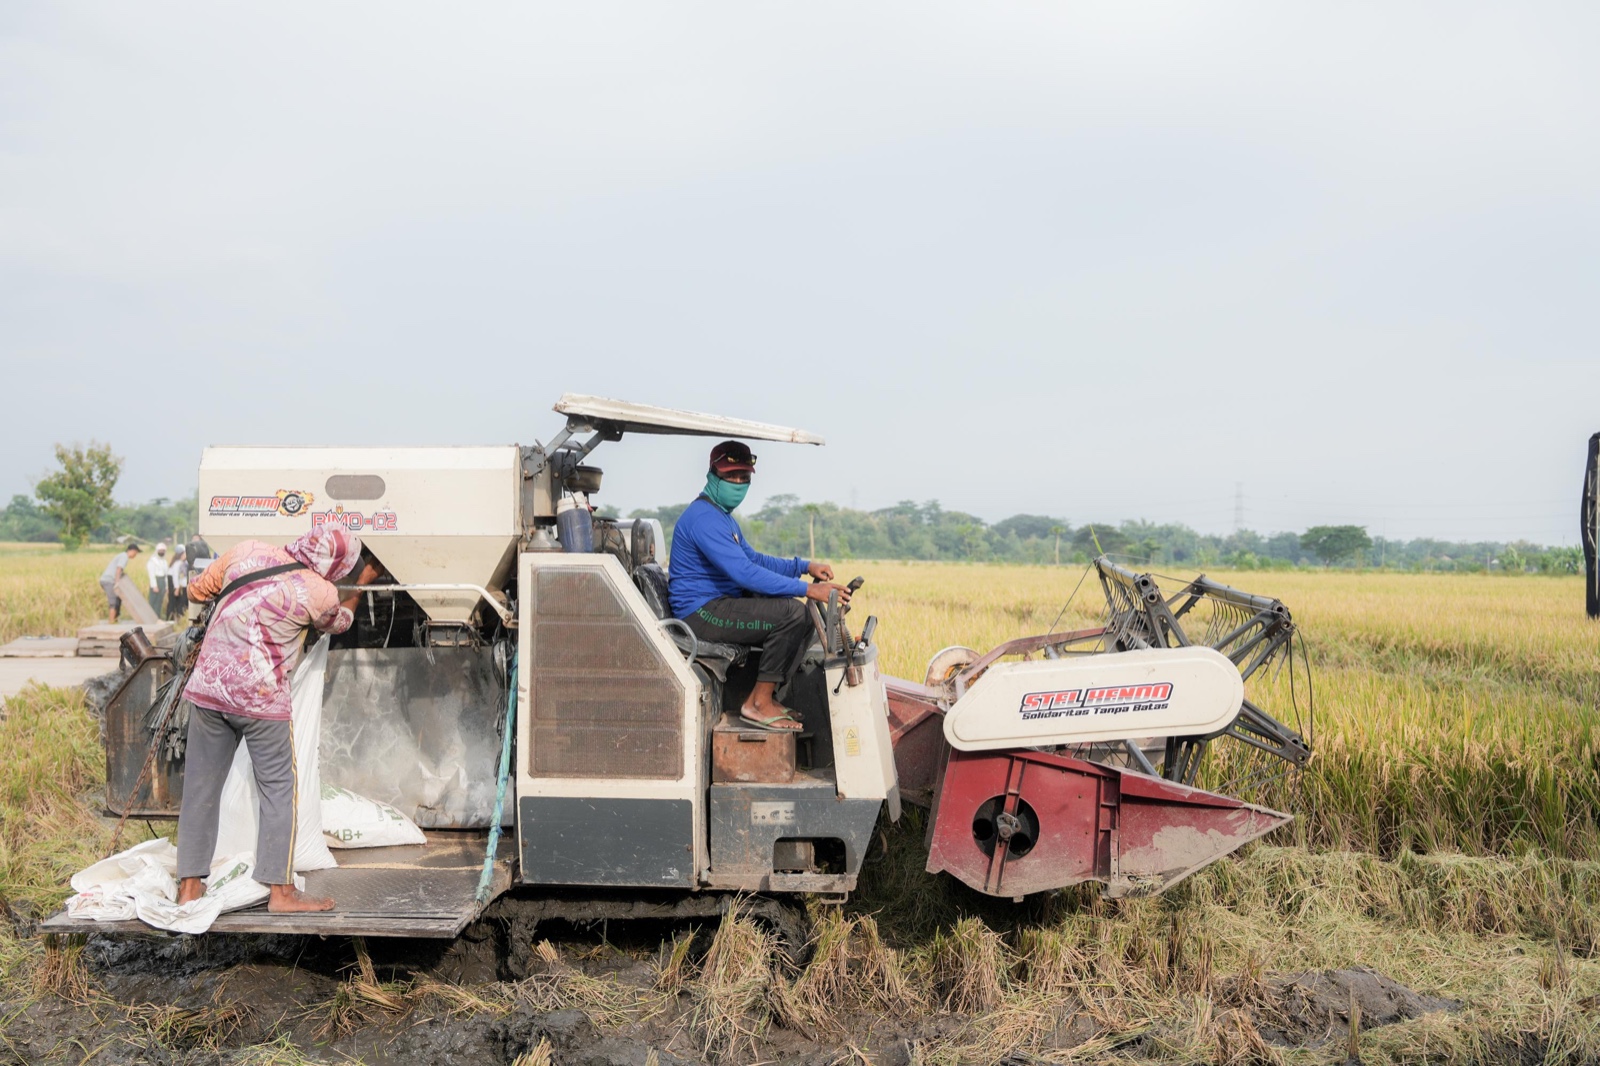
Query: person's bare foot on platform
(286,899)
(763,710)
(190,889)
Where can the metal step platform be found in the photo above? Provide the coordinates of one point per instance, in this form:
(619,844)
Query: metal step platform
(418,890)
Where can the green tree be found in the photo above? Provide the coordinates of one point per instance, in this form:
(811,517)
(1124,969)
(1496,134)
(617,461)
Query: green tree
(812,510)
(1096,538)
(1030,526)
(160,519)
(22,520)
(80,492)
(1335,544)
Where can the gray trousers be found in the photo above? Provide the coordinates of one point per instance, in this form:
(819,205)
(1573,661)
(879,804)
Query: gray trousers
(213,739)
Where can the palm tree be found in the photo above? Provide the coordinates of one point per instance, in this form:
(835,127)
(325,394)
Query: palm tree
(812,511)
(1057,530)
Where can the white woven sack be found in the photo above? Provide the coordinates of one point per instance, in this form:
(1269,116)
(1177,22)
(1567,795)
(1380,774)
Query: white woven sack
(352,821)
(142,883)
(236,827)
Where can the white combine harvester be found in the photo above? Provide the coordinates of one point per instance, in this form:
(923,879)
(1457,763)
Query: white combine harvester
(629,782)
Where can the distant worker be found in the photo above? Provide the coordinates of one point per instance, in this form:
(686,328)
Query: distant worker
(198,555)
(726,591)
(240,691)
(112,574)
(156,568)
(177,585)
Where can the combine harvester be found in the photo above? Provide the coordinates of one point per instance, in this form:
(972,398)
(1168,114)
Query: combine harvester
(633,791)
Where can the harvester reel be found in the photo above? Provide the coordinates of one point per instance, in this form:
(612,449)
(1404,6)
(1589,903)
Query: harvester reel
(1252,631)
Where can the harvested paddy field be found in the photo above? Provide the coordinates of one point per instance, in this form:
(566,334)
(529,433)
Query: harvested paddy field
(1436,900)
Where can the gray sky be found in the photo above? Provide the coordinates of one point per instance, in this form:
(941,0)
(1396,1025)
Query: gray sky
(1100,261)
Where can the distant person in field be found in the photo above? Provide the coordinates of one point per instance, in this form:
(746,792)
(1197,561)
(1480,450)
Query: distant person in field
(726,591)
(177,584)
(240,691)
(112,574)
(156,568)
(198,555)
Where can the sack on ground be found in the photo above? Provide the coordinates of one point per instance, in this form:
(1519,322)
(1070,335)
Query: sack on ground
(352,821)
(237,823)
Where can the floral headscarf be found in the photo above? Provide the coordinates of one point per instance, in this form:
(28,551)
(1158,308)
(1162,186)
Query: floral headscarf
(331,551)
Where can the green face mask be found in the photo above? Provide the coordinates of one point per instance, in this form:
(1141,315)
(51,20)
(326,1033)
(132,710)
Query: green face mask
(725,494)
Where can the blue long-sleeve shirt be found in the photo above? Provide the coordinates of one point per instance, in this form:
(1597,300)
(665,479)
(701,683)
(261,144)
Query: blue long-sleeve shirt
(711,559)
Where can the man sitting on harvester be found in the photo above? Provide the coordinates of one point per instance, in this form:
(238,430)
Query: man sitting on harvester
(269,597)
(726,591)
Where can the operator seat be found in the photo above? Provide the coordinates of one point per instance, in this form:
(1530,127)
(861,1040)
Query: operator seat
(652,582)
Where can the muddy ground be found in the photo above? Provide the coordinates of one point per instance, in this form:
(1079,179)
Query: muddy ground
(289,999)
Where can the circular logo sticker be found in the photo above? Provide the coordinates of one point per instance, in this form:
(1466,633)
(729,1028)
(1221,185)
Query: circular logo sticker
(292,503)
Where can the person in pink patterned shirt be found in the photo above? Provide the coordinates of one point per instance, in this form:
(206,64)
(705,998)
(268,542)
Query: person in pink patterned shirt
(240,691)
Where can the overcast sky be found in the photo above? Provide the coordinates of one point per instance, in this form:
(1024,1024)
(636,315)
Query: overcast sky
(1097,261)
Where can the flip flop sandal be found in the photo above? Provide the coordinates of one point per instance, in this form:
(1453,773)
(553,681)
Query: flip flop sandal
(766,723)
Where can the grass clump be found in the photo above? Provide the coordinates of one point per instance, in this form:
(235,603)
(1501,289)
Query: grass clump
(538,1055)
(47,832)
(60,971)
(851,968)
(966,967)
(736,990)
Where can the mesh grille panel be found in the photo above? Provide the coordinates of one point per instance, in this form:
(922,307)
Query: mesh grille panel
(602,700)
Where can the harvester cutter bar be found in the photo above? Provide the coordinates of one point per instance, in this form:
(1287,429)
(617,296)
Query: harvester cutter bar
(1074,821)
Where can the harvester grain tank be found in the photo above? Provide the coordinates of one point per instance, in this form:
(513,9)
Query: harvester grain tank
(1050,760)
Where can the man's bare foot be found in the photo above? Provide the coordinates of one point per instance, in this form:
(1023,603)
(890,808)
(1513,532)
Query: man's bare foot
(763,709)
(775,718)
(190,889)
(286,899)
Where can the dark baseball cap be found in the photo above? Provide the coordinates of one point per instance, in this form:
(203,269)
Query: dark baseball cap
(732,456)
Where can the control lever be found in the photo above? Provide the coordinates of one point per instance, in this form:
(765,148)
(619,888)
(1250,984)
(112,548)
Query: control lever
(834,617)
(852,672)
(845,643)
(866,633)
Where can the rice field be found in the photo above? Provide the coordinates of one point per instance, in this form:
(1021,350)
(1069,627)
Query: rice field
(1445,836)
(1452,712)
(45,591)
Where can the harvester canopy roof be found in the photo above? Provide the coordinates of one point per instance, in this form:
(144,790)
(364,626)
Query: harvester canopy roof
(619,416)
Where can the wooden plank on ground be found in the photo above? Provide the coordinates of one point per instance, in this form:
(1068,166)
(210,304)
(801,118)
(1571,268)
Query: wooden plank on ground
(40,648)
(105,639)
(135,602)
(17,674)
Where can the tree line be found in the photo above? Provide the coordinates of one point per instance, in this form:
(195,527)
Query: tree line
(909,530)
(74,505)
